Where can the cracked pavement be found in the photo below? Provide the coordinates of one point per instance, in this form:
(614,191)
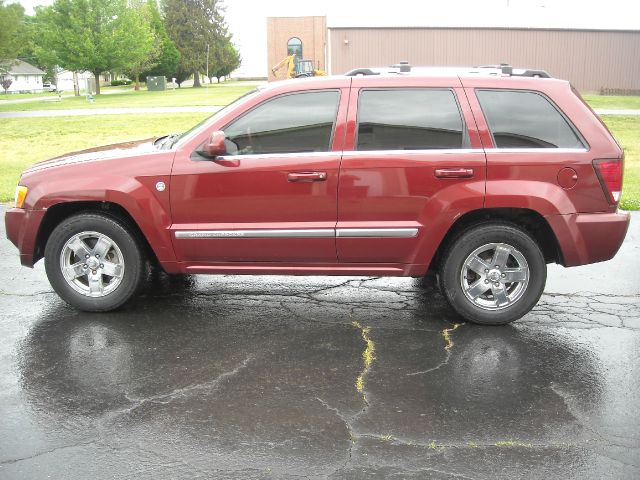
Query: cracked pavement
(320,377)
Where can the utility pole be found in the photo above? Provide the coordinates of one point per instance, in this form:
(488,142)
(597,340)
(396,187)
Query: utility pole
(208,63)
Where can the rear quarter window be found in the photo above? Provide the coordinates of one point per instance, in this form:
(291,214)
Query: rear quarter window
(524,119)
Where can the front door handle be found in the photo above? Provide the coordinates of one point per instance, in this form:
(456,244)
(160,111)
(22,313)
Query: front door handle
(454,172)
(307,176)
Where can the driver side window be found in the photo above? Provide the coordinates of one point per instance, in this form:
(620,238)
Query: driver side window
(295,123)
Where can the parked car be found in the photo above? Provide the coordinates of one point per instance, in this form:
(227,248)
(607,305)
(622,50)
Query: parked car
(483,177)
(49,87)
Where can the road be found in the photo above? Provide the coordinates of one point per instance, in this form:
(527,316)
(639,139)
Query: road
(321,377)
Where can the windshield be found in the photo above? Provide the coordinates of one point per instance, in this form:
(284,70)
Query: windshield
(183,137)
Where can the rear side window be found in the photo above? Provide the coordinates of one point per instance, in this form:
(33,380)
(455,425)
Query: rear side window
(521,119)
(409,119)
(296,123)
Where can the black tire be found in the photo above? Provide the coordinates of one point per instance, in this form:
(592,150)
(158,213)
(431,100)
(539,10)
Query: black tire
(128,245)
(476,238)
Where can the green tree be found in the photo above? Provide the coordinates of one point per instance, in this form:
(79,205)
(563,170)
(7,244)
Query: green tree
(29,51)
(11,27)
(184,25)
(93,35)
(168,55)
(145,52)
(223,57)
(196,26)
(227,60)
(181,75)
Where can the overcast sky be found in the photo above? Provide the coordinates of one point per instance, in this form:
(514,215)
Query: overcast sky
(247,18)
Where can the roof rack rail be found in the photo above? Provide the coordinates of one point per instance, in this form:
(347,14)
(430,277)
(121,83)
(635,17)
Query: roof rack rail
(361,71)
(509,70)
(404,67)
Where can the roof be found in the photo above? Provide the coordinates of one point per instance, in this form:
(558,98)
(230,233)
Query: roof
(23,68)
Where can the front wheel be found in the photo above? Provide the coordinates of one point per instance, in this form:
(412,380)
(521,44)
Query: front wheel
(93,262)
(493,274)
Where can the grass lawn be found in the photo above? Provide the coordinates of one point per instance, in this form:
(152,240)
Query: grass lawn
(626,129)
(209,95)
(618,102)
(22,96)
(56,136)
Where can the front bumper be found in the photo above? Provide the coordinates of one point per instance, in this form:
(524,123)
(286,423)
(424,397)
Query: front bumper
(22,229)
(589,237)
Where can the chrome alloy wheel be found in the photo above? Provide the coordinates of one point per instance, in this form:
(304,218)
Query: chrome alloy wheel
(494,276)
(92,264)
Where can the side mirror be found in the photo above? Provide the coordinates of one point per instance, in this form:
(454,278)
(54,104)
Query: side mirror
(214,146)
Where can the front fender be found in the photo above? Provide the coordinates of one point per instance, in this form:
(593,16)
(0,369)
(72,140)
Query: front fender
(148,207)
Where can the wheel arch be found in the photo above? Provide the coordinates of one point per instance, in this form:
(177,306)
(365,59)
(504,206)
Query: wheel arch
(529,220)
(61,211)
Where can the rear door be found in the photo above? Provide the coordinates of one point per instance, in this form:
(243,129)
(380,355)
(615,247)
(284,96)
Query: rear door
(412,164)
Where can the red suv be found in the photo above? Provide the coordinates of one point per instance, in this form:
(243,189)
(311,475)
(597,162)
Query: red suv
(482,177)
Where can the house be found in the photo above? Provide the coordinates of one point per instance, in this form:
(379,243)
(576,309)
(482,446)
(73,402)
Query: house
(24,77)
(65,81)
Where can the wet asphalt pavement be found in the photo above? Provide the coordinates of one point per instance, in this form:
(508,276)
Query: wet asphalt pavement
(343,377)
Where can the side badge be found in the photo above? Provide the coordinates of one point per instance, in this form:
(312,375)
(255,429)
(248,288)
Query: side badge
(160,186)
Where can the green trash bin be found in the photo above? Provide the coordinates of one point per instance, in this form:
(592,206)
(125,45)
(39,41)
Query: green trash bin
(156,84)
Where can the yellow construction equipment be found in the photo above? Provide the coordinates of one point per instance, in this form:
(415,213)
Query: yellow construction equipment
(297,68)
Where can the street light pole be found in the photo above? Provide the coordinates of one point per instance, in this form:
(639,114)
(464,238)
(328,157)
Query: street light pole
(208,63)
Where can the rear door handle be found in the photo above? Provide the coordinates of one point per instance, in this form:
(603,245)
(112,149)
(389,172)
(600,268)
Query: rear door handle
(307,176)
(454,172)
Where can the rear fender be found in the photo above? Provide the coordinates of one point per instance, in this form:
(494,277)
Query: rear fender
(542,197)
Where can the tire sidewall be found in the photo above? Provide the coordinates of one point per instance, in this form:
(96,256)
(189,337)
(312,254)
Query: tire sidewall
(131,253)
(482,235)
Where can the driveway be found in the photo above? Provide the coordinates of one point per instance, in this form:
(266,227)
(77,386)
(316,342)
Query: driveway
(287,377)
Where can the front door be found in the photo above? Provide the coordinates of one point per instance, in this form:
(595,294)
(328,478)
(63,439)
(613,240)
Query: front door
(273,196)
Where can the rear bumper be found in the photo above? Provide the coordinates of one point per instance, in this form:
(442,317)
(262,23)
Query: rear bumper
(589,237)
(22,229)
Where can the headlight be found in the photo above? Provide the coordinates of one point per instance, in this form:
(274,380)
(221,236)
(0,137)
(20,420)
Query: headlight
(21,194)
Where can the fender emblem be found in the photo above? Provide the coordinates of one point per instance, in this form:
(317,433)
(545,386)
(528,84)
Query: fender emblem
(160,186)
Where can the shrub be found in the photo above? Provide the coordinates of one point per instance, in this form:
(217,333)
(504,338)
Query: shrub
(118,83)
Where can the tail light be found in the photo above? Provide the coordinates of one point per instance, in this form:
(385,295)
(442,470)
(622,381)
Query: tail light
(609,173)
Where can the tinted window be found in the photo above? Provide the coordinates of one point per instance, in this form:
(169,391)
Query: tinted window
(409,119)
(525,120)
(302,122)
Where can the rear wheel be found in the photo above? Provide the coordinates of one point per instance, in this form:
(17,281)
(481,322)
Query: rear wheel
(93,262)
(493,274)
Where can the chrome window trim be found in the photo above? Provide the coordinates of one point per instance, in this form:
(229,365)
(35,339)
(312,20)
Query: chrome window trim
(330,153)
(301,233)
(536,150)
(447,151)
(368,153)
